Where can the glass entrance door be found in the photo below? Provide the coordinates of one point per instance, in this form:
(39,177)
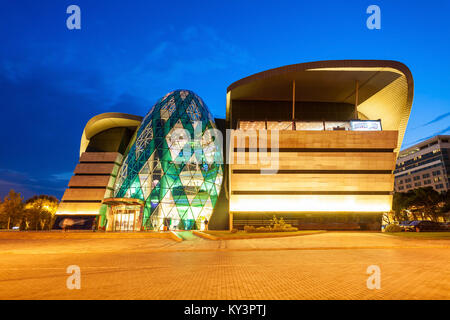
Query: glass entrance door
(127,218)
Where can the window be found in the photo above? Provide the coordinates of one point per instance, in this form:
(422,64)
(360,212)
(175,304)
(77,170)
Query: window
(416,178)
(312,125)
(436,173)
(252,125)
(279,125)
(417,184)
(401,188)
(400,182)
(426,175)
(437,179)
(408,186)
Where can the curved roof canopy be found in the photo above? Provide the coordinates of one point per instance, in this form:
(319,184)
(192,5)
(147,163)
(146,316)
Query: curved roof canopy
(385,88)
(105,121)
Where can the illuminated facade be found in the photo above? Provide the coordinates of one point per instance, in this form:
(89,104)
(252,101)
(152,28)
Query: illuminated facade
(103,143)
(314,142)
(168,177)
(339,126)
(179,190)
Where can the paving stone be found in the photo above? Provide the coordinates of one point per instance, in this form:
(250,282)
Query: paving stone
(323,266)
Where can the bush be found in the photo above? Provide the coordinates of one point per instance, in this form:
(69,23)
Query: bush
(393,228)
(234,230)
(275,225)
(252,229)
(249,228)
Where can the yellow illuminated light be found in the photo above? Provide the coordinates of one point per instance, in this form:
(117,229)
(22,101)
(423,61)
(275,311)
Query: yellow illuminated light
(307,203)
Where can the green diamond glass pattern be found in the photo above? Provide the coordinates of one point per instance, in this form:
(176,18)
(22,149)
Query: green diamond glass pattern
(180,189)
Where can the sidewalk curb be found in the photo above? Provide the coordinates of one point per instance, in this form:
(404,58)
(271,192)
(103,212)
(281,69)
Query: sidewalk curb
(211,237)
(174,236)
(31,235)
(205,235)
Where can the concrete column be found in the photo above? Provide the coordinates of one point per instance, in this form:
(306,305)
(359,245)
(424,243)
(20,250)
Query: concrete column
(230,221)
(293,105)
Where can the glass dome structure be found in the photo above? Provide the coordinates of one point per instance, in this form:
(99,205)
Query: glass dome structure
(174,165)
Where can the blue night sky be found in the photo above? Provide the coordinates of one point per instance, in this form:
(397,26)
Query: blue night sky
(130,53)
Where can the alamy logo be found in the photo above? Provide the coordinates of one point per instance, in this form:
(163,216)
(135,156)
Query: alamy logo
(74,280)
(243,147)
(257,148)
(374,20)
(74,20)
(374,280)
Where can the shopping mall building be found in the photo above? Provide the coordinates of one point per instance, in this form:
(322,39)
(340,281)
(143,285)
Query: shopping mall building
(315,143)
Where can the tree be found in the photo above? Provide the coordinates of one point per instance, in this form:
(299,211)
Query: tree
(420,204)
(400,205)
(12,209)
(445,206)
(40,212)
(3,218)
(426,201)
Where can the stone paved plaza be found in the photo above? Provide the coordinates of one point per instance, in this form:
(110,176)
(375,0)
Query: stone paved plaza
(323,266)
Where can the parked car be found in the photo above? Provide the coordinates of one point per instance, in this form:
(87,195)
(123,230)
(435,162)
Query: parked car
(405,225)
(421,226)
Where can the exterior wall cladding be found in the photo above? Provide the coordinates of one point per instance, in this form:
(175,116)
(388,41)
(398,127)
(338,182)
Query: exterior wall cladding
(426,164)
(339,128)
